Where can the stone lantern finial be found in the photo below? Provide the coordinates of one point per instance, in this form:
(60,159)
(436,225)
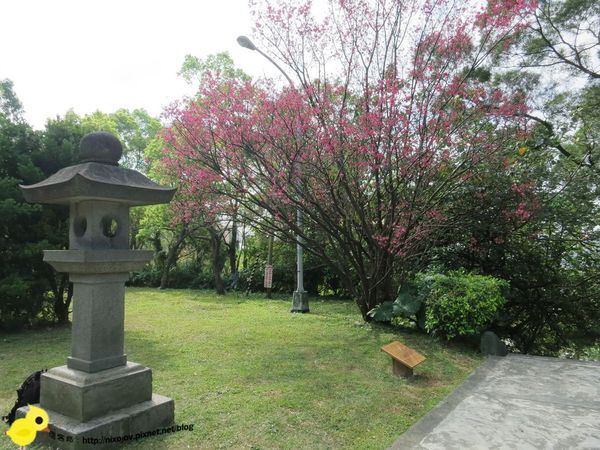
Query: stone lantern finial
(100,147)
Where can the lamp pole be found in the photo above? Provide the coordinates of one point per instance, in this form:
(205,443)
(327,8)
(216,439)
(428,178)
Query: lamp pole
(300,297)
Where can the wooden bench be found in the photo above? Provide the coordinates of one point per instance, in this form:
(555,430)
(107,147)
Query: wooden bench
(404,359)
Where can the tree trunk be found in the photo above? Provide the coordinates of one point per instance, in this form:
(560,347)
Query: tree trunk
(363,302)
(61,305)
(244,265)
(385,289)
(375,289)
(159,254)
(371,300)
(67,304)
(217,260)
(172,256)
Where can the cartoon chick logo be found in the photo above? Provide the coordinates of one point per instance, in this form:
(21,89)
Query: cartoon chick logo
(23,431)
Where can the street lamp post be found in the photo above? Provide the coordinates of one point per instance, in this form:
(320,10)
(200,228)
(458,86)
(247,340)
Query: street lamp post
(300,297)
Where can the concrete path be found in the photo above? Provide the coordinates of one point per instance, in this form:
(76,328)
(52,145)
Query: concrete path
(513,403)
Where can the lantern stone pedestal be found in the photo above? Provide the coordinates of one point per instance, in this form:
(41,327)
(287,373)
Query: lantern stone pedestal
(99,397)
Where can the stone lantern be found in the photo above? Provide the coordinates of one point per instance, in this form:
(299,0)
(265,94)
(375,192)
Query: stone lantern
(98,394)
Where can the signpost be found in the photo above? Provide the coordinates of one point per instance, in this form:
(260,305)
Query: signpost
(268,280)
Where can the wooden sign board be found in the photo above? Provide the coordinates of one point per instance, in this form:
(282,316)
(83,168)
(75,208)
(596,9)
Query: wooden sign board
(401,353)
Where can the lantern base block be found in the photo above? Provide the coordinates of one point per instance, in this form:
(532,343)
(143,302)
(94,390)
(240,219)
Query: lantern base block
(138,422)
(84,396)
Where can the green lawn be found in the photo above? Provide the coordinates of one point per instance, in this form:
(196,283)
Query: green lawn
(250,375)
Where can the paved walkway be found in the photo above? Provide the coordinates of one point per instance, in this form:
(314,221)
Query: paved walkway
(513,403)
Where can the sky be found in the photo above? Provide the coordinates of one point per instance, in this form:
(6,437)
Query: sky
(90,55)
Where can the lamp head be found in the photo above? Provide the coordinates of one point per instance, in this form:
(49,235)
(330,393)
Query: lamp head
(246,42)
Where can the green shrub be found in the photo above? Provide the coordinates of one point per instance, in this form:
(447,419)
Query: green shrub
(148,277)
(410,301)
(187,274)
(455,304)
(463,304)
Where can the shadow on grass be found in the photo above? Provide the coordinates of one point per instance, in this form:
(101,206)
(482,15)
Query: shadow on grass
(146,350)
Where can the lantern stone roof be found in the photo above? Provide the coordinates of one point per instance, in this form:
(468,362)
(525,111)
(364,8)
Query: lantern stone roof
(98,177)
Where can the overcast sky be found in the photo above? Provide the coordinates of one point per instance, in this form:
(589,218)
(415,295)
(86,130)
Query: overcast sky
(104,55)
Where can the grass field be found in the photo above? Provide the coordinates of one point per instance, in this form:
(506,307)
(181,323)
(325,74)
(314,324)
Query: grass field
(249,375)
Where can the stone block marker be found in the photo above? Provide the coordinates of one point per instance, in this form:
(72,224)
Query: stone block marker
(404,359)
(98,396)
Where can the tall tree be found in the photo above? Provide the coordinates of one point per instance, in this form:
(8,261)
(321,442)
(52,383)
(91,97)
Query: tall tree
(197,212)
(389,120)
(552,261)
(564,33)
(195,70)
(560,65)
(21,272)
(10,106)
(159,228)
(532,221)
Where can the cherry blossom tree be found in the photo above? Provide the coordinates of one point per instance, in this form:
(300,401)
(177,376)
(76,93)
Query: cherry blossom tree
(390,116)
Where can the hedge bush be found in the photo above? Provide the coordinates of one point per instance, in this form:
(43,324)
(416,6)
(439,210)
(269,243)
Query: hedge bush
(453,304)
(463,304)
